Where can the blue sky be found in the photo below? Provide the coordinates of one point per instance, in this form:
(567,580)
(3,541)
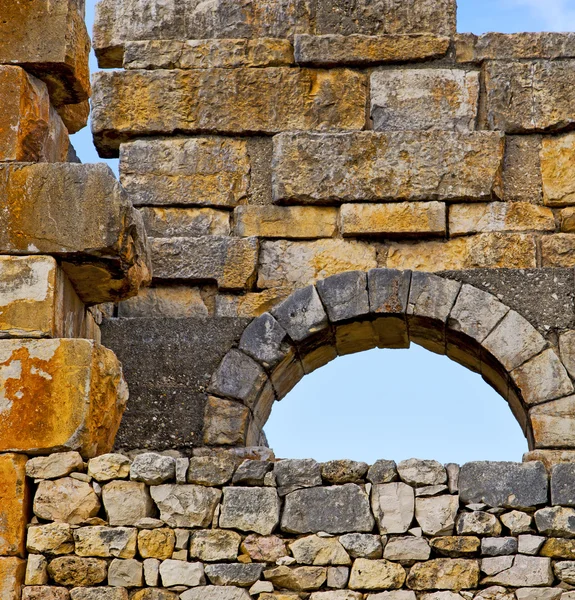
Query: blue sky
(402,403)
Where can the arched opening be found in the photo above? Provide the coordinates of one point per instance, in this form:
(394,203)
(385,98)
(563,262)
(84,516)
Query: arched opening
(394,404)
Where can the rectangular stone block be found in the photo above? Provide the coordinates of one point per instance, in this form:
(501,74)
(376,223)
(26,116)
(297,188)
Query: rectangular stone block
(128,104)
(37,300)
(557,166)
(370,166)
(49,40)
(522,169)
(208,54)
(424,99)
(59,395)
(553,423)
(185,222)
(30,129)
(356,49)
(53,209)
(75,116)
(12,572)
(393,219)
(386,16)
(558,250)
(14,504)
(176,301)
(206,171)
(525,97)
(230,262)
(499,216)
(285,221)
(284,264)
(490,250)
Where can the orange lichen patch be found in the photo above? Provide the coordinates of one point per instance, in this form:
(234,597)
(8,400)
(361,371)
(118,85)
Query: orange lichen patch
(59,394)
(14,504)
(12,571)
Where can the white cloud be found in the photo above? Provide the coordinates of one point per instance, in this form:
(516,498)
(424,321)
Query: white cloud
(553,15)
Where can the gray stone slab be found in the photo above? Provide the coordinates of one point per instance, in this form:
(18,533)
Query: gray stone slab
(563,484)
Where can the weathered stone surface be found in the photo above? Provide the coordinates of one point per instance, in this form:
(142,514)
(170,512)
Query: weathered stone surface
(436,516)
(444,573)
(567,218)
(154,594)
(178,572)
(357,49)
(186,505)
(417,472)
(522,169)
(53,538)
(51,42)
(207,171)
(232,101)
(387,166)
(264,548)
(315,550)
(333,509)
(558,250)
(250,509)
(478,523)
(109,466)
(215,545)
(66,500)
(343,471)
(562,485)
(211,470)
(32,131)
(292,475)
(265,340)
(424,99)
(362,545)
(531,544)
(156,543)
(511,485)
(184,222)
(51,209)
(225,422)
(36,570)
(393,505)
(99,593)
(54,465)
(556,547)
(565,570)
(212,592)
(529,96)
(41,592)
(125,573)
(499,546)
(74,116)
(14,504)
(499,216)
(12,572)
(103,542)
(376,575)
(286,263)
(83,396)
(407,549)
(336,595)
(231,262)
(556,170)
(455,546)
(238,574)
(394,220)
(75,571)
(126,502)
(556,521)
(173,301)
(517,522)
(345,296)
(152,468)
(299,578)
(525,571)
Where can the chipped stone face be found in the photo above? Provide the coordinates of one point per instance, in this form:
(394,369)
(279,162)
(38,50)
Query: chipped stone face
(186,505)
(315,550)
(156,543)
(444,573)
(557,159)
(109,466)
(52,538)
(362,545)
(66,500)
(455,546)
(525,571)
(251,509)
(126,502)
(54,466)
(152,468)
(393,505)
(436,516)
(161,222)
(12,572)
(558,250)
(376,575)
(14,504)
(103,542)
(178,572)
(215,545)
(76,571)
(407,550)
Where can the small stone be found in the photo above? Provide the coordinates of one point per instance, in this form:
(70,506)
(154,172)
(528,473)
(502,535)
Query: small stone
(182,465)
(250,509)
(498,546)
(54,466)
(53,538)
(186,505)
(478,523)
(152,468)
(453,471)
(264,548)
(407,550)
(213,592)
(430,490)
(81,477)
(531,544)
(494,565)
(382,471)
(211,470)
(343,471)
(362,545)
(126,502)
(99,593)
(517,522)
(149,523)
(154,594)
(212,545)
(252,472)
(538,593)
(45,593)
(259,587)
(337,577)
(393,505)
(66,500)
(36,570)
(299,579)
(151,572)
(336,595)
(125,573)
(394,595)
(315,550)
(177,572)
(156,543)
(293,475)
(376,575)
(234,574)
(109,466)
(555,547)
(75,571)
(103,542)
(556,521)
(422,472)
(525,571)
(444,573)
(436,515)
(455,546)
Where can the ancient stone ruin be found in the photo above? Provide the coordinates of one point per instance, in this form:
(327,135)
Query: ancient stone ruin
(299,180)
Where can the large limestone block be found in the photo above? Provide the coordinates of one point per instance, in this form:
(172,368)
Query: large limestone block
(524,571)
(49,40)
(393,505)
(357,49)
(231,101)
(66,500)
(250,509)
(320,168)
(524,97)
(14,504)
(294,264)
(12,572)
(53,209)
(231,262)
(59,395)
(30,128)
(185,222)
(206,171)
(557,161)
(126,502)
(445,99)
(37,300)
(186,505)
(553,423)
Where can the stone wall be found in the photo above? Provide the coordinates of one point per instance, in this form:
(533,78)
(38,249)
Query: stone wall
(239,525)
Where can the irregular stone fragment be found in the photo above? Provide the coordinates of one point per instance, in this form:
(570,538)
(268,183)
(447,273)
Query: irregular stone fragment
(36,570)
(213,592)
(424,99)
(333,509)
(125,573)
(387,166)
(407,550)
(225,422)
(178,572)
(436,516)
(206,171)
(234,101)
(296,474)
(362,545)
(517,522)
(250,509)
(66,500)
(298,579)
(444,573)
(393,505)
(152,468)
(376,575)
(234,574)
(357,49)
(42,592)
(156,543)
(382,471)
(154,594)
(315,550)
(109,466)
(99,593)
(554,547)
(343,471)
(75,571)
(126,502)
(213,545)
(54,465)
(530,544)
(74,116)
(525,571)
(478,523)
(498,546)
(186,505)
(151,572)
(252,472)
(538,593)
(418,473)
(336,595)
(52,538)
(553,423)
(119,542)
(456,546)
(211,470)
(556,521)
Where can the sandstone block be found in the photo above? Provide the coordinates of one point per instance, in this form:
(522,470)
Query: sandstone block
(55,465)
(499,216)
(315,550)
(42,592)
(186,505)
(558,250)
(376,575)
(231,262)
(36,570)
(184,222)
(51,209)
(109,466)
(522,169)
(393,220)
(175,301)
(525,571)
(104,542)
(75,571)
(53,538)
(14,504)
(126,502)
(298,579)
(387,166)
(234,101)
(529,96)
(250,509)
(336,595)
(567,219)
(444,574)
(556,547)
(206,171)
(210,53)
(343,471)
(12,572)
(455,546)
(50,41)
(557,160)
(239,575)
(82,390)
(333,509)
(74,116)
(357,49)
(565,570)
(393,505)
(284,263)
(215,545)
(32,130)
(407,550)
(424,99)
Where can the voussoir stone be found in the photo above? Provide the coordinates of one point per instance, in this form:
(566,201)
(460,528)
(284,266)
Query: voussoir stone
(254,509)
(186,505)
(376,575)
(333,509)
(393,505)
(126,502)
(344,295)
(444,574)
(66,500)
(265,340)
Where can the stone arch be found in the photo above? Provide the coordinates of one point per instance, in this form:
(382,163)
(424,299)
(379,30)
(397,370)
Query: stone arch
(386,308)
